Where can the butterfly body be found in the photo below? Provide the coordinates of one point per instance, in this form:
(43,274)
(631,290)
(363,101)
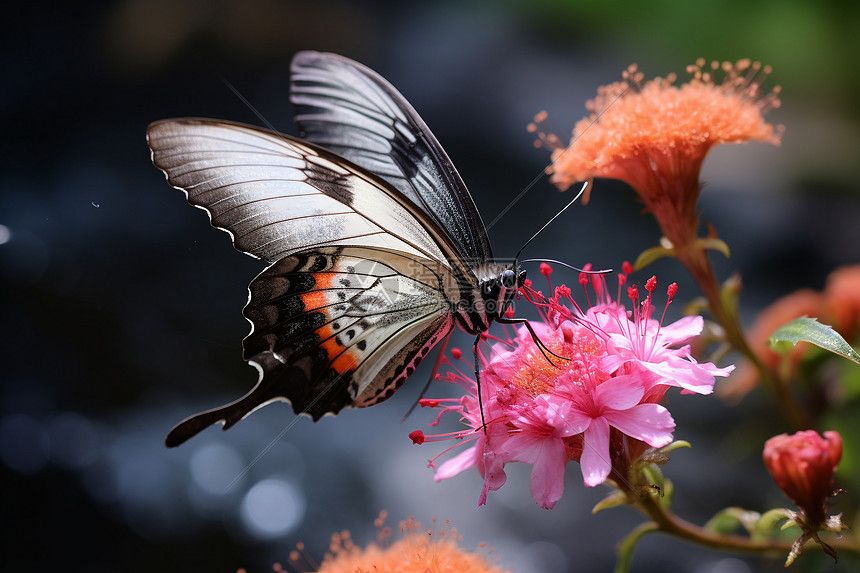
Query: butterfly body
(376,249)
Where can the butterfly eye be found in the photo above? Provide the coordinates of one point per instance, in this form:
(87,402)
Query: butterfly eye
(509,278)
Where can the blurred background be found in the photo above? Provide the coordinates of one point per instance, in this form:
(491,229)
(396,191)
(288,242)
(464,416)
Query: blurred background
(121,308)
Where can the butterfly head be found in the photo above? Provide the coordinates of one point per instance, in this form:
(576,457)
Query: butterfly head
(499,289)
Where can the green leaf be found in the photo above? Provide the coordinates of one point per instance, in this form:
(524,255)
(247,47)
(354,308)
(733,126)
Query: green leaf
(764,526)
(614,499)
(730,293)
(714,244)
(648,256)
(666,249)
(729,519)
(675,445)
(628,544)
(725,521)
(810,330)
(668,490)
(653,478)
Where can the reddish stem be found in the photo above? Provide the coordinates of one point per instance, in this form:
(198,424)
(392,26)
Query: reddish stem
(696,261)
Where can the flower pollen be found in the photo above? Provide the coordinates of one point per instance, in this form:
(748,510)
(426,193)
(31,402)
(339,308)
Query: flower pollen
(626,268)
(671,292)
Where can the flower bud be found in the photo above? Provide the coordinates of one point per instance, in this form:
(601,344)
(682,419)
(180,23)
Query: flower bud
(802,465)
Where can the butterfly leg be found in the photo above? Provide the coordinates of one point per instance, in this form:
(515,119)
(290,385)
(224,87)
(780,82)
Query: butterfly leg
(538,342)
(478,382)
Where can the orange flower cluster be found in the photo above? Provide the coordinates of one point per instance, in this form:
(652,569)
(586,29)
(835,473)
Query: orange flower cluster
(419,551)
(655,135)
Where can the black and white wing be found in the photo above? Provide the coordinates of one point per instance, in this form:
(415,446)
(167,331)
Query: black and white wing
(352,110)
(335,327)
(359,288)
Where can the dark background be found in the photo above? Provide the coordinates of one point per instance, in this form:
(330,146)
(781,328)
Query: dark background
(120,309)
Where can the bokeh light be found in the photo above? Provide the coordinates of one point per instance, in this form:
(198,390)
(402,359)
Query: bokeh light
(216,468)
(272,508)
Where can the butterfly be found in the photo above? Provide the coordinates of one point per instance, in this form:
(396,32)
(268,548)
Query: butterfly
(376,250)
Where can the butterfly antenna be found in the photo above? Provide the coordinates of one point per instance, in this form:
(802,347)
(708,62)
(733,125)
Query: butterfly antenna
(251,107)
(543,172)
(564,264)
(538,342)
(548,223)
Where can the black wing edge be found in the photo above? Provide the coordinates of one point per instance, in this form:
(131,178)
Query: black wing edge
(267,390)
(477,245)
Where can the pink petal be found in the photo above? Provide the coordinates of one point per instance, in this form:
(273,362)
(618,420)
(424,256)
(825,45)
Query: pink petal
(494,470)
(613,360)
(460,462)
(651,423)
(714,370)
(575,422)
(681,330)
(595,462)
(523,447)
(542,330)
(561,415)
(547,479)
(620,342)
(620,393)
(494,474)
(677,372)
(502,364)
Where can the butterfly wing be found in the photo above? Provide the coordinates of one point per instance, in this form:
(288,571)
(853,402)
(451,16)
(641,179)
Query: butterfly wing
(358,291)
(335,327)
(356,113)
(276,195)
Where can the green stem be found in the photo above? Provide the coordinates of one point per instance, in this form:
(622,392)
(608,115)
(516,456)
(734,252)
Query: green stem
(695,259)
(669,523)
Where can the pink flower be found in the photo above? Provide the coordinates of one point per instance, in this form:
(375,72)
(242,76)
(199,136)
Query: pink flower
(615,404)
(598,407)
(482,455)
(540,442)
(651,347)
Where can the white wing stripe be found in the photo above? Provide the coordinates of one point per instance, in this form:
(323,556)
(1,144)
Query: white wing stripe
(377,239)
(276,182)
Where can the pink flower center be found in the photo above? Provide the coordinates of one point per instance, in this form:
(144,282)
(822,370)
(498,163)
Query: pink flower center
(535,374)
